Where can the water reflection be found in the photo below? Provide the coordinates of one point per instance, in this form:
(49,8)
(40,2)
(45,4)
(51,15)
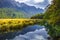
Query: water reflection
(34,32)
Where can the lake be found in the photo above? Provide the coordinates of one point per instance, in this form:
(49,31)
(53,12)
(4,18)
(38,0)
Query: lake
(33,32)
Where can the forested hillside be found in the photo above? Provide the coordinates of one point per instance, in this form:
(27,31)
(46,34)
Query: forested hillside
(11,13)
(53,13)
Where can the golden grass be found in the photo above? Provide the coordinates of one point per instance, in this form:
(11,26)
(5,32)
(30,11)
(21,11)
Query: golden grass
(16,20)
(9,25)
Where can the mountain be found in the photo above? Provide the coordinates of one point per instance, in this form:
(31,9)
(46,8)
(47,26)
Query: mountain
(7,3)
(27,10)
(31,10)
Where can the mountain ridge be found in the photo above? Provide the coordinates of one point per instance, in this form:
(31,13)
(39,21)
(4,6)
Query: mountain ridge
(28,10)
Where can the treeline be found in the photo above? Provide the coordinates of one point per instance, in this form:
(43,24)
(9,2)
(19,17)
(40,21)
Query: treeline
(38,16)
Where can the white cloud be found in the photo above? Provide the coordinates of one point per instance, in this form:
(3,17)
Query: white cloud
(50,1)
(36,3)
(21,1)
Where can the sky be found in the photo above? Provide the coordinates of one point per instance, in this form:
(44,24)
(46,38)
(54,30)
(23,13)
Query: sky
(36,3)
